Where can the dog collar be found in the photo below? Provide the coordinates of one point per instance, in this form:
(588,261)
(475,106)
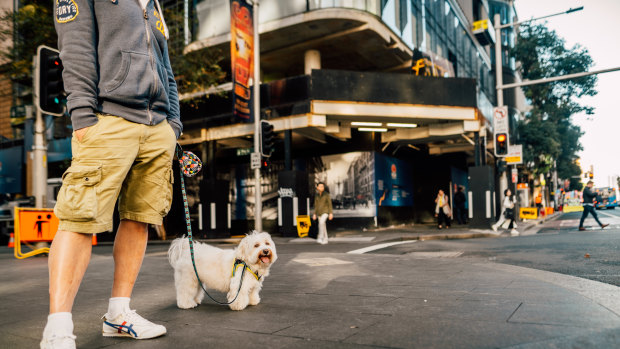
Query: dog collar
(239,262)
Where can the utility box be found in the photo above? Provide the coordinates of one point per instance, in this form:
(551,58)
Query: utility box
(293,200)
(481,196)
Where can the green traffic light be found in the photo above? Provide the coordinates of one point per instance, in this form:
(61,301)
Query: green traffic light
(56,100)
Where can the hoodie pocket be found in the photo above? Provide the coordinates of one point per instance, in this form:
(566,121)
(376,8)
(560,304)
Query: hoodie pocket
(134,76)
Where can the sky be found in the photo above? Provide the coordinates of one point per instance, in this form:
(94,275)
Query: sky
(596,28)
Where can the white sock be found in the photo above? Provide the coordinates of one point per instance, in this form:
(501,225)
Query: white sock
(58,323)
(117,306)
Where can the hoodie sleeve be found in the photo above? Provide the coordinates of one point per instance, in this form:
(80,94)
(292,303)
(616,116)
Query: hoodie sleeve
(77,40)
(174,114)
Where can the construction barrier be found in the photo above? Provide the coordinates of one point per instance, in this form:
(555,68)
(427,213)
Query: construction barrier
(568,209)
(35,225)
(548,210)
(528,213)
(303,225)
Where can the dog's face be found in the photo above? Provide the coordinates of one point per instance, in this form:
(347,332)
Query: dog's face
(257,249)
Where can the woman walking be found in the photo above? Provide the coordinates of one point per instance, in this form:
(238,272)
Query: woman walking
(508,213)
(443,212)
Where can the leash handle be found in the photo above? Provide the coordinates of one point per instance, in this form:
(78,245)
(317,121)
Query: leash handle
(183,156)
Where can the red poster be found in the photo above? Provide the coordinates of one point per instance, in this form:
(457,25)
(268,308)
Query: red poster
(242,58)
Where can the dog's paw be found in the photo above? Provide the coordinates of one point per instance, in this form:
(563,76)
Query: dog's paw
(187,304)
(254,300)
(237,306)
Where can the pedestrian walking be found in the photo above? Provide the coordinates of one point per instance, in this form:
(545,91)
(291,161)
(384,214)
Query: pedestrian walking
(323,210)
(589,198)
(442,210)
(124,108)
(459,205)
(508,214)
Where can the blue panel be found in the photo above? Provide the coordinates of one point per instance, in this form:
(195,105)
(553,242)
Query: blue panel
(394,181)
(11,166)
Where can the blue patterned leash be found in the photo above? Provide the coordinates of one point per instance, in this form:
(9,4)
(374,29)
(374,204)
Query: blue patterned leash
(190,165)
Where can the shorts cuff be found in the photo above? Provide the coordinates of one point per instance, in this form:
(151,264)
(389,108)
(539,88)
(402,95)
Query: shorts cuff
(142,218)
(84,227)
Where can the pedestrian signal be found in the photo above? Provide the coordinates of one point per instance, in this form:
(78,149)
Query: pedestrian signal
(501,144)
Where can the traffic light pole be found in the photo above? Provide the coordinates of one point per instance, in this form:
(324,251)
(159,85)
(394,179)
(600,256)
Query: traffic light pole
(258,198)
(39,148)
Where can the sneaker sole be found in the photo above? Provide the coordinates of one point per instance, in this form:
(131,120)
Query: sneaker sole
(130,336)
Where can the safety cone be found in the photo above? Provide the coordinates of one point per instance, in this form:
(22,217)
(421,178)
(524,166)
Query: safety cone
(11,241)
(94,240)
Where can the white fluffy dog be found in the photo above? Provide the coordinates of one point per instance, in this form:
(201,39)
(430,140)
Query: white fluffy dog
(221,270)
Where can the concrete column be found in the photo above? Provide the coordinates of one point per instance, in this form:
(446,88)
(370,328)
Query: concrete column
(312,60)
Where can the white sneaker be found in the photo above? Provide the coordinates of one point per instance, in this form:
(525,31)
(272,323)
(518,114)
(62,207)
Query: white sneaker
(130,324)
(323,242)
(66,341)
(494,228)
(514,233)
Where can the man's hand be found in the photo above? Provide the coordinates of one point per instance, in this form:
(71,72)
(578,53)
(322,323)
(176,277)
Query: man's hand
(314,217)
(80,133)
(331,216)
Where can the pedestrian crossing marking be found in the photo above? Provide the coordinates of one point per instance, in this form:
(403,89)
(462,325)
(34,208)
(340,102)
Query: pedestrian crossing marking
(379,246)
(321,262)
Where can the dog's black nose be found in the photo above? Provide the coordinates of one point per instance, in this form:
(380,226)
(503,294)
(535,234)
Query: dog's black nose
(266,251)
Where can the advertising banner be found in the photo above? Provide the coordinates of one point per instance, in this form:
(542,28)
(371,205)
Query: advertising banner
(242,58)
(394,185)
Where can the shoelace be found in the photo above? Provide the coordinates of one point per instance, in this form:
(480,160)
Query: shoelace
(55,338)
(134,317)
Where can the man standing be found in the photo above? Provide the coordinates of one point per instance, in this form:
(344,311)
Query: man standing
(123,102)
(588,206)
(459,206)
(322,209)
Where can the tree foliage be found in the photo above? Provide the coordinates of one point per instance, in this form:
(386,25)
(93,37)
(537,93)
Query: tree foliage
(547,131)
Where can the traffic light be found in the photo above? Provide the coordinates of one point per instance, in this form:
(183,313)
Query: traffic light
(51,88)
(501,144)
(267,138)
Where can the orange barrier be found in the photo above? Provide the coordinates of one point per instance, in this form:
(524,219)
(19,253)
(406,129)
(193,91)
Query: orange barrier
(549,210)
(35,225)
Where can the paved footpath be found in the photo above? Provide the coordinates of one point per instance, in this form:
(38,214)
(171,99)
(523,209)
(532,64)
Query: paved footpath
(315,298)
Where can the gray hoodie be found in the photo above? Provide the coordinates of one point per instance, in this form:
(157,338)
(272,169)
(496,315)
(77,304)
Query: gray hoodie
(115,59)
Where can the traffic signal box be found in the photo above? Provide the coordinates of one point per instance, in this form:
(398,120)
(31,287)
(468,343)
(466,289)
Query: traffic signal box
(501,144)
(267,139)
(51,88)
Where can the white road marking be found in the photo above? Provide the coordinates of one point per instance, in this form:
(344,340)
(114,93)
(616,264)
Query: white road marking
(608,214)
(440,254)
(321,262)
(379,246)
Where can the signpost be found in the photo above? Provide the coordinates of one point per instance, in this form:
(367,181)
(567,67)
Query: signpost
(515,155)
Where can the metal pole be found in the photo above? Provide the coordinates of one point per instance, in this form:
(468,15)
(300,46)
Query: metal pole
(557,78)
(258,199)
(498,61)
(39,149)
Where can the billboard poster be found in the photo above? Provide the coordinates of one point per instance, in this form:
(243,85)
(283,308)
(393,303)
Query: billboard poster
(349,178)
(394,181)
(242,58)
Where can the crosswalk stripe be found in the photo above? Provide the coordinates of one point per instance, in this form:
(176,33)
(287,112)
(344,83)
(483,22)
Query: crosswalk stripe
(379,246)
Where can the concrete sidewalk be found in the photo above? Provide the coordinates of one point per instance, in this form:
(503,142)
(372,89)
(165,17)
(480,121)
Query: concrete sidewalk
(315,299)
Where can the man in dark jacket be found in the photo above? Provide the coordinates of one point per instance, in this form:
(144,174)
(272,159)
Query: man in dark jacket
(459,206)
(589,198)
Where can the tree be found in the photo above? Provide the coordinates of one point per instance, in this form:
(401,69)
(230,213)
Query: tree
(547,131)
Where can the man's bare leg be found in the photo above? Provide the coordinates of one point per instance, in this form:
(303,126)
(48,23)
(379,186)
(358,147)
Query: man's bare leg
(129,248)
(69,257)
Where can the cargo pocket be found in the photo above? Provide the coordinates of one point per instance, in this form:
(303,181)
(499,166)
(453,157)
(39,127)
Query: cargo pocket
(77,198)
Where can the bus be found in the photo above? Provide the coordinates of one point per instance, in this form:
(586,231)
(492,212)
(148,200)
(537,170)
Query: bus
(606,198)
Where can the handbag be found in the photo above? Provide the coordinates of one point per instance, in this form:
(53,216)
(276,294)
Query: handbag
(509,213)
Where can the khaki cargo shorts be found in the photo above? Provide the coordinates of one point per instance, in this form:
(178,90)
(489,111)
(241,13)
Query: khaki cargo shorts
(117,159)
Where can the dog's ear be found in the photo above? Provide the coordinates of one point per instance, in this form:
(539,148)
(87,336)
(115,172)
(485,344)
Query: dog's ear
(242,249)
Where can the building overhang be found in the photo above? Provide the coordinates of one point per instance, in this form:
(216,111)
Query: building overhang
(328,104)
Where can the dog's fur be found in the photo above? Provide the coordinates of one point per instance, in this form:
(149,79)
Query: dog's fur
(214,267)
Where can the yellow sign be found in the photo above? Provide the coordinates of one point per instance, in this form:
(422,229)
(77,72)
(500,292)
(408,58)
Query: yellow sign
(568,209)
(528,213)
(303,225)
(479,25)
(513,160)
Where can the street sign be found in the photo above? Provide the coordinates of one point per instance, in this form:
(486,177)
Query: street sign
(515,175)
(255,160)
(515,155)
(244,151)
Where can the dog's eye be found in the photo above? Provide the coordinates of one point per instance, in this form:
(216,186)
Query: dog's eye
(266,243)
(256,245)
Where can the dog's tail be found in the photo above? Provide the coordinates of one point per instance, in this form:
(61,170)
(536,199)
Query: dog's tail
(179,248)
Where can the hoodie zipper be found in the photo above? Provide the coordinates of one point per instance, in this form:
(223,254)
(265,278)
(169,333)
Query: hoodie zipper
(148,43)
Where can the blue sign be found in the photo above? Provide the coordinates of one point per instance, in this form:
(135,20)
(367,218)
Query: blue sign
(394,181)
